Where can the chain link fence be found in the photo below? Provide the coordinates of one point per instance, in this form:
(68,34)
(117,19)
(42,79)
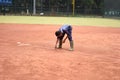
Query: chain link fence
(63,8)
(112,8)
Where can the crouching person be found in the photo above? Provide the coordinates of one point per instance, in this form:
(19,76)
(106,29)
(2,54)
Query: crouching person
(65,29)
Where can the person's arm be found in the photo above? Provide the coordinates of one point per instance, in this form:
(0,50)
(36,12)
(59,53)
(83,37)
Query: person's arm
(56,43)
(65,39)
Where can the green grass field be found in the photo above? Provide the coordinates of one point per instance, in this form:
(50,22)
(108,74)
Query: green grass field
(80,21)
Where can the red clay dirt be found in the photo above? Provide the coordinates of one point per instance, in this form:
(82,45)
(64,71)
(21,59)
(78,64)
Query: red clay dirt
(27,53)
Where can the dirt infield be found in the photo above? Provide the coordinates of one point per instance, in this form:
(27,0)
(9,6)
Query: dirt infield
(27,53)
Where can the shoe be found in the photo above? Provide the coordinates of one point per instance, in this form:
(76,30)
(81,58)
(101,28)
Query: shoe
(71,49)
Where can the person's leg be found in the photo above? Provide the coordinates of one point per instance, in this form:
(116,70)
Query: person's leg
(70,39)
(71,45)
(60,41)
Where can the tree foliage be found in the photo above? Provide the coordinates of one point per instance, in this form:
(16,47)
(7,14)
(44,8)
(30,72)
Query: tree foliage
(81,6)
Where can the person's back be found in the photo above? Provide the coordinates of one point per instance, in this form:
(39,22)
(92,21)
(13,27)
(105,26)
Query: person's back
(64,28)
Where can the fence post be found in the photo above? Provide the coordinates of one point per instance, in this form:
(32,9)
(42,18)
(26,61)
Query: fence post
(34,7)
(73,3)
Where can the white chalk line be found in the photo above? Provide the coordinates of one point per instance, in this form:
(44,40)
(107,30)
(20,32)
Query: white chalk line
(21,44)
